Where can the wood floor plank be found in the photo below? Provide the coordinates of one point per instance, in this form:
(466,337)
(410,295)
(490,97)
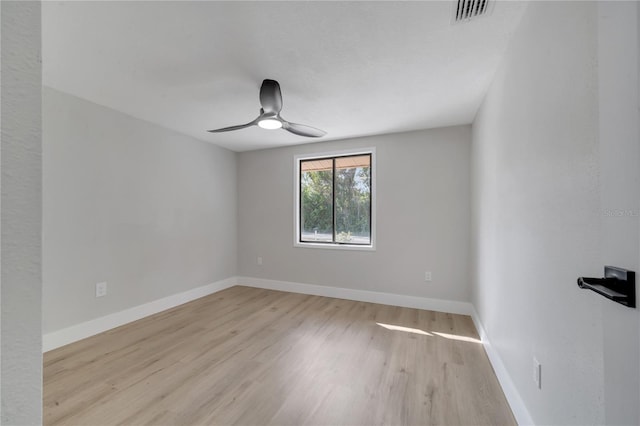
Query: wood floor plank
(248,356)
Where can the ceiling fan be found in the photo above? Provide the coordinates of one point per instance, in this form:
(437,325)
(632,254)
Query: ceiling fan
(269,118)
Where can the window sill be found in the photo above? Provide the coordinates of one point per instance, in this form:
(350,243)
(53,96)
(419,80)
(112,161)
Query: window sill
(332,246)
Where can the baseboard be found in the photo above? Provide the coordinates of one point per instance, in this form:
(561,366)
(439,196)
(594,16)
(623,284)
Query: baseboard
(450,306)
(518,407)
(90,328)
(86,329)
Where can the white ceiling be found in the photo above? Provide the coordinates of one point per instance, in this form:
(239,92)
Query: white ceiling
(349,68)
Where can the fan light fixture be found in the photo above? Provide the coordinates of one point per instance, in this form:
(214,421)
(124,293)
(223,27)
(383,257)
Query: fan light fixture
(269,118)
(270,123)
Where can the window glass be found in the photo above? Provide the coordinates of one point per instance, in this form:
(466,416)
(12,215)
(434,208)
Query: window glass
(316,212)
(335,200)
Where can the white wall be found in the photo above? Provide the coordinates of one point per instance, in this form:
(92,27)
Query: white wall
(20,225)
(149,211)
(548,159)
(422,217)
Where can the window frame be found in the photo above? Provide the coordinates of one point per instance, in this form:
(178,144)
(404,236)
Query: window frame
(296,205)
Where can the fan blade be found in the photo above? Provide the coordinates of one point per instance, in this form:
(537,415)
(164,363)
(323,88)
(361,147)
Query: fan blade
(270,96)
(303,130)
(230,128)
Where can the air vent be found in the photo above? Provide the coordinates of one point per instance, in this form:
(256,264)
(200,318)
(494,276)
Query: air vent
(466,10)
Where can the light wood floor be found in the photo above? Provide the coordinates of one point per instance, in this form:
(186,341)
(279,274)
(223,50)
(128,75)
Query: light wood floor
(255,357)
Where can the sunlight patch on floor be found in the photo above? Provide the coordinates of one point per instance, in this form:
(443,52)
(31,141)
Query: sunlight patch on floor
(405,329)
(426,333)
(457,337)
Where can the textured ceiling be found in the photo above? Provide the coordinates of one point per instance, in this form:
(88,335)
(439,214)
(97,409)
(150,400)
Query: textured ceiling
(349,68)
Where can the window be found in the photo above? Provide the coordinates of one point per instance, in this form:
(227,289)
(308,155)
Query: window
(334,200)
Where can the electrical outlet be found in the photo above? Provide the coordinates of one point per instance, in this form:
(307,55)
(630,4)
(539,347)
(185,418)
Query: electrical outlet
(259,260)
(427,276)
(537,373)
(101,289)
